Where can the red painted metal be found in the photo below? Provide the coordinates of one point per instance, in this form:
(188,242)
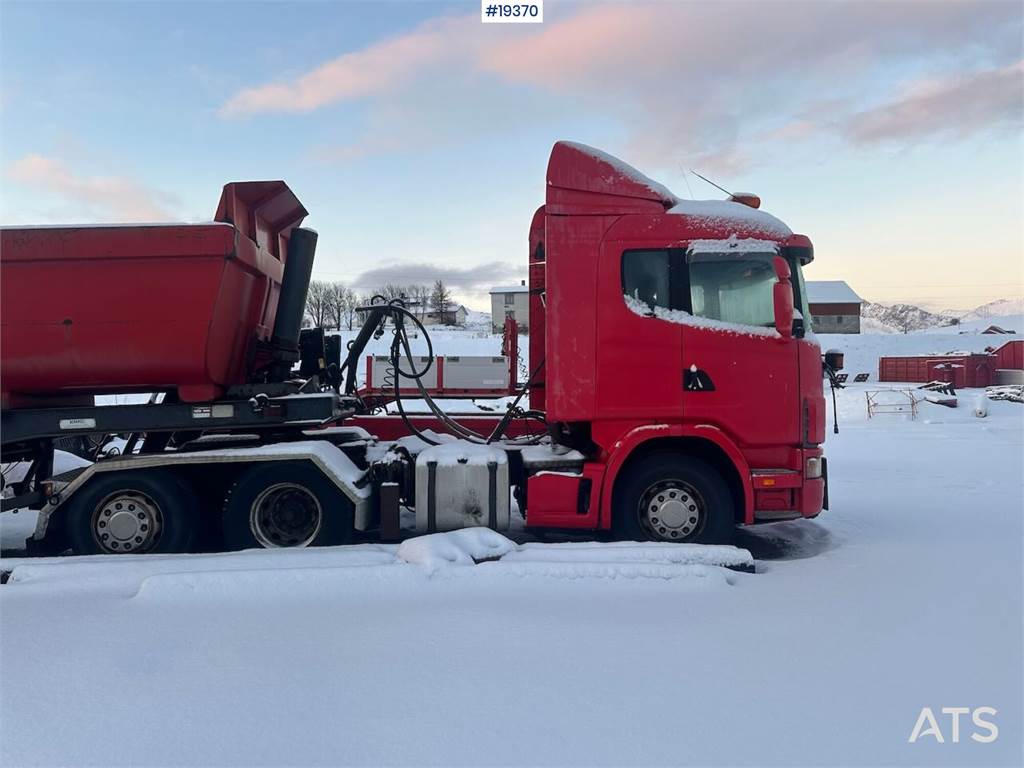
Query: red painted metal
(622,373)
(104,309)
(510,349)
(1011,355)
(974,370)
(538,319)
(553,500)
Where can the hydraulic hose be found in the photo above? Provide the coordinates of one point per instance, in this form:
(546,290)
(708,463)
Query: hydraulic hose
(399,345)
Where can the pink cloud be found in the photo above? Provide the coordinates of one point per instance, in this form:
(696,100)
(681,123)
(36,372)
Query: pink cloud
(958,105)
(380,67)
(600,41)
(689,83)
(99,198)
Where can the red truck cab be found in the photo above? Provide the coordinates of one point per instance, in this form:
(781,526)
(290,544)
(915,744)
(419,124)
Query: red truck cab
(655,319)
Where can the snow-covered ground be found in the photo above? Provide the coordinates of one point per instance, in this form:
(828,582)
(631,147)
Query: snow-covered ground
(906,594)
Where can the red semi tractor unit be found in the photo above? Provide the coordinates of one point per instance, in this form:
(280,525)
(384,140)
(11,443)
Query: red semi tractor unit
(673,390)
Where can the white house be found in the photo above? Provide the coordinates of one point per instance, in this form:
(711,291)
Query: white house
(453,316)
(510,301)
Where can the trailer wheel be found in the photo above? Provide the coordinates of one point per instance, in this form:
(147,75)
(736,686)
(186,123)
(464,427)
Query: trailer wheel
(285,504)
(673,497)
(132,512)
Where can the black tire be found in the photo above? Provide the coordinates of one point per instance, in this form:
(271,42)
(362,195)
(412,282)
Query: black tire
(698,493)
(286,504)
(170,521)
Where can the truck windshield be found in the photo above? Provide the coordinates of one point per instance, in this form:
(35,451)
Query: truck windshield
(733,287)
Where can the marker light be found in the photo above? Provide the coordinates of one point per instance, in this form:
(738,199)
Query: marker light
(746,198)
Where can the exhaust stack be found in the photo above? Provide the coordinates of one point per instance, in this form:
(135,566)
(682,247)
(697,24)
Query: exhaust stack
(291,304)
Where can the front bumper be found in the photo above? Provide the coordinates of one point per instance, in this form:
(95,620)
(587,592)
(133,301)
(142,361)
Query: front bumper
(791,494)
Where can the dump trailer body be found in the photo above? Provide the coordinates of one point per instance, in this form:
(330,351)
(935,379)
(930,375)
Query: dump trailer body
(90,310)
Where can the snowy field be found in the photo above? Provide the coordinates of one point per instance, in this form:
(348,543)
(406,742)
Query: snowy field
(906,594)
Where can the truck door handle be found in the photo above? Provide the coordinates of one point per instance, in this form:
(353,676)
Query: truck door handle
(696,380)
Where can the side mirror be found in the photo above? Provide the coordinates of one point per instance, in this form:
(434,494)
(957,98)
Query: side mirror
(834,359)
(783,296)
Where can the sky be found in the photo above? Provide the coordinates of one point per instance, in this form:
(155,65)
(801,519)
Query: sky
(417,137)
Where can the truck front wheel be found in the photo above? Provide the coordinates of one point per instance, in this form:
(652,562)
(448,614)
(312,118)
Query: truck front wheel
(285,504)
(673,497)
(132,512)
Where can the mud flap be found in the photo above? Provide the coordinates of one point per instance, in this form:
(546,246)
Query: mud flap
(824,476)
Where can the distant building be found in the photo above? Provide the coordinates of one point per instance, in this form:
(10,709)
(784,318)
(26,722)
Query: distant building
(454,316)
(511,301)
(835,307)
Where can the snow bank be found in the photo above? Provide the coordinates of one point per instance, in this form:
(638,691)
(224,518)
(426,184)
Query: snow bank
(466,546)
(632,552)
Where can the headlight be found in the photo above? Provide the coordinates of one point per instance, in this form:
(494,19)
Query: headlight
(812,468)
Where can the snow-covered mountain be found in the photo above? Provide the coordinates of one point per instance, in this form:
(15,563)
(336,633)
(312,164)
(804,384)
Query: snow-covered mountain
(889,318)
(998,308)
(903,317)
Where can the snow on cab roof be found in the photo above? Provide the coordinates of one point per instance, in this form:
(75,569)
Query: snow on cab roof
(726,212)
(831,292)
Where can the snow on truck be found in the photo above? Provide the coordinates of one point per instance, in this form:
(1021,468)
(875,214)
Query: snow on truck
(673,390)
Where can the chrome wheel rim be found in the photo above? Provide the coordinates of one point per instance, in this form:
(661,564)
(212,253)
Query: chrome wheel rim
(126,522)
(285,515)
(671,510)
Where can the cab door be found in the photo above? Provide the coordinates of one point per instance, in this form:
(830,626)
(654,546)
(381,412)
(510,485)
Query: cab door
(638,366)
(739,373)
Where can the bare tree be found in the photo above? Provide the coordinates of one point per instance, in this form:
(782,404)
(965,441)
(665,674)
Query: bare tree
(318,302)
(348,301)
(440,300)
(392,291)
(420,295)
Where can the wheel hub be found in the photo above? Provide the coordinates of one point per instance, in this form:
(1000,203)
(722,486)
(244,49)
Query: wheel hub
(671,511)
(285,515)
(127,521)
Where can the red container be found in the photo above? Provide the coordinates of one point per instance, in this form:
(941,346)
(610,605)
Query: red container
(143,308)
(951,373)
(1011,354)
(974,370)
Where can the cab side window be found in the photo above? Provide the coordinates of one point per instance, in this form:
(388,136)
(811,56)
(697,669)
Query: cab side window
(654,277)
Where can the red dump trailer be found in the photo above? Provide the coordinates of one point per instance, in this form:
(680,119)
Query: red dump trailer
(144,308)
(673,391)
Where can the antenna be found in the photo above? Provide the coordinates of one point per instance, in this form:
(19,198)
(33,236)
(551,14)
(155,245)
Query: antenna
(709,181)
(686,179)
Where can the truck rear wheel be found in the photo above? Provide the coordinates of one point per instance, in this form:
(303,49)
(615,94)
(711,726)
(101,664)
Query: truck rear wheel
(285,504)
(132,512)
(673,497)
